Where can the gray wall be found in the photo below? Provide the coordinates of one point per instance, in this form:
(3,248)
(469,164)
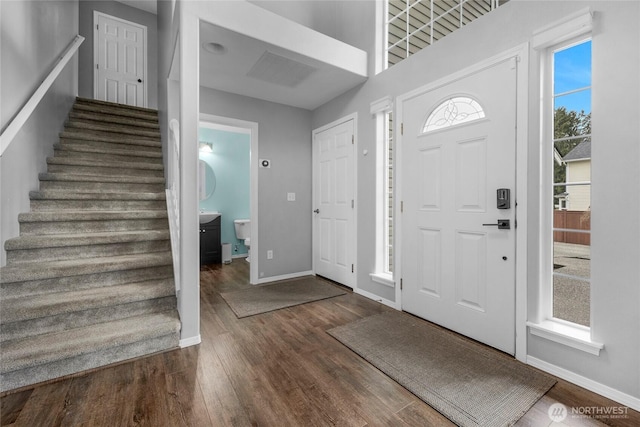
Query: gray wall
(122,11)
(33,34)
(285,139)
(616,108)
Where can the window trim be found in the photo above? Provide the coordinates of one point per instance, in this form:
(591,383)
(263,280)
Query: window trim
(571,29)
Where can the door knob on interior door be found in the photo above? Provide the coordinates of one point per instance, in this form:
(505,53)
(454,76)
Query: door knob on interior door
(317,211)
(139,80)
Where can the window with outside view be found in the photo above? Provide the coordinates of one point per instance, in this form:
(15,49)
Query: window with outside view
(572,183)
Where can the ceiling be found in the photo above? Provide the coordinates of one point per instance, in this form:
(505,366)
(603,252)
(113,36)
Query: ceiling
(146,5)
(247,66)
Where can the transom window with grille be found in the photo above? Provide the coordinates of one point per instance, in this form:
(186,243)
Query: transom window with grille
(412,25)
(571,68)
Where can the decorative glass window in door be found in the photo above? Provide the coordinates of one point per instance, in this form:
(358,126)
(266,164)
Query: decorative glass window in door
(453,111)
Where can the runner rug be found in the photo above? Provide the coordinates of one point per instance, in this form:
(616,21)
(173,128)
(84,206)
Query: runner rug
(471,384)
(265,298)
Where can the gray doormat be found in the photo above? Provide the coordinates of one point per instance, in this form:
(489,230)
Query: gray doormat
(468,383)
(265,298)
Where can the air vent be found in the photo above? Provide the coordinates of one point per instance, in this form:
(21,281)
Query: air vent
(279,70)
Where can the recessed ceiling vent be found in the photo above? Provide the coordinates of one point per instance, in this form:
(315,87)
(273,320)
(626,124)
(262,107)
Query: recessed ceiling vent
(279,70)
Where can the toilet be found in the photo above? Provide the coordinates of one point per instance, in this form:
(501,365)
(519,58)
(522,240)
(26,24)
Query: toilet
(243,232)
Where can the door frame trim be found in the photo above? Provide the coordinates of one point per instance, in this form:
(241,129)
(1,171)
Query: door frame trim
(520,54)
(252,127)
(314,175)
(96,33)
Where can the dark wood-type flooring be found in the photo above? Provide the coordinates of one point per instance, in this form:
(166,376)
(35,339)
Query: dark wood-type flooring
(274,369)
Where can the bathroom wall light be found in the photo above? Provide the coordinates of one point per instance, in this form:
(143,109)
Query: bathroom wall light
(215,48)
(206,147)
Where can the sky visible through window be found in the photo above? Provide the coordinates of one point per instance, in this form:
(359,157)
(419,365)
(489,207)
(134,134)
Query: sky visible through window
(572,71)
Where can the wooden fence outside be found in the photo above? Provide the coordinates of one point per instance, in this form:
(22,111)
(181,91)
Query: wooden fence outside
(574,220)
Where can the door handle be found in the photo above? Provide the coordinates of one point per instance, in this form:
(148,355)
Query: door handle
(317,211)
(139,80)
(502,224)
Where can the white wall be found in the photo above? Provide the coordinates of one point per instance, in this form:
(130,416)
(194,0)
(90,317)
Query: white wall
(285,139)
(128,13)
(33,34)
(616,109)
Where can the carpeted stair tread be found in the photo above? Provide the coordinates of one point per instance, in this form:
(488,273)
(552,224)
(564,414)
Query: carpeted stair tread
(77,267)
(83,239)
(42,349)
(72,161)
(94,195)
(64,216)
(104,117)
(112,106)
(33,307)
(105,147)
(135,179)
(114,128)
(85,148)
(81,135)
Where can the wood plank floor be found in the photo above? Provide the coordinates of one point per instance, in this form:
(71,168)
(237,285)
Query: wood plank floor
(275,369)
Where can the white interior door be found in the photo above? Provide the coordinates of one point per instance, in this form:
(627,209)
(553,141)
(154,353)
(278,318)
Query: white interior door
(456,271)
(333,197)
(120,57)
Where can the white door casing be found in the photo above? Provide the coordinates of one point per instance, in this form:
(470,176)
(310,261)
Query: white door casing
(120,62)
(455,271)
(334,202)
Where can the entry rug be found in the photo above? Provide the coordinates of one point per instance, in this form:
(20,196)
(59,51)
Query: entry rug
(469,383)
(265,298)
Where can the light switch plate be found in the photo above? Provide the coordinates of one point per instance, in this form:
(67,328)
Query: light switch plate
(291,197)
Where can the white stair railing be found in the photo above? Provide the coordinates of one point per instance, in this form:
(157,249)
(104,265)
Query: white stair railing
(14,126)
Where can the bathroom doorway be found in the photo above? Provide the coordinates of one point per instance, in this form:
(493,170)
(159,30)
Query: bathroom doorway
(226,148)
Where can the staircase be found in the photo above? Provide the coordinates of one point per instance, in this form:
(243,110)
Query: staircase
(89,281)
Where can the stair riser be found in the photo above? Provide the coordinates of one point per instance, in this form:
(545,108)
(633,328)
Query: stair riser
(84,281)
(100,157)
(101,186)
(88,251)
(85,317)
(67,227)
(112,129)
(36,374)
(96,205)
(105,170)
(114,120)
(109,147)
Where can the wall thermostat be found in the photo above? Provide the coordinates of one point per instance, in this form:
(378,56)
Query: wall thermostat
(264,163)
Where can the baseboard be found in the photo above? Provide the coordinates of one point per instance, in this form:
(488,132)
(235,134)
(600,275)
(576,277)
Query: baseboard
(284,277)
(591,385)
(188,342)
(375,297)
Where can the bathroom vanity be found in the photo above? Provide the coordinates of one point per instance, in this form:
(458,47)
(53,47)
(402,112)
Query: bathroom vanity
(210,244)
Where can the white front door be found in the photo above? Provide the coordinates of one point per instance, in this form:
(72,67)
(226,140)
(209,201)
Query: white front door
(458,149)
(333,202)
(120,55)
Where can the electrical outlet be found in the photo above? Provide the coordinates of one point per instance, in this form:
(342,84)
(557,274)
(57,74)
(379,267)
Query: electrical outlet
(269,254)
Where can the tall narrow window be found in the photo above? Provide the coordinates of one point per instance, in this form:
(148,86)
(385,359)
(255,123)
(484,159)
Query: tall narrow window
(571,277)
(382,110)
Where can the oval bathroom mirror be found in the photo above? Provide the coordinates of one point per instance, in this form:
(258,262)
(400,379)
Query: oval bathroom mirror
(206,180)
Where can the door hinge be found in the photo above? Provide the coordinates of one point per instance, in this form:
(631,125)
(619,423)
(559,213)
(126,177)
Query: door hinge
(97,66)
(401,206)
(400,283)
(352,204)
(353,139)
(352,268)
(97,26)
(401,128)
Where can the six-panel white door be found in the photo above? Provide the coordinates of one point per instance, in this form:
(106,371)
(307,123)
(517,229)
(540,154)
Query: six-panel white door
(458,148)
(120,61)
(333,195)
